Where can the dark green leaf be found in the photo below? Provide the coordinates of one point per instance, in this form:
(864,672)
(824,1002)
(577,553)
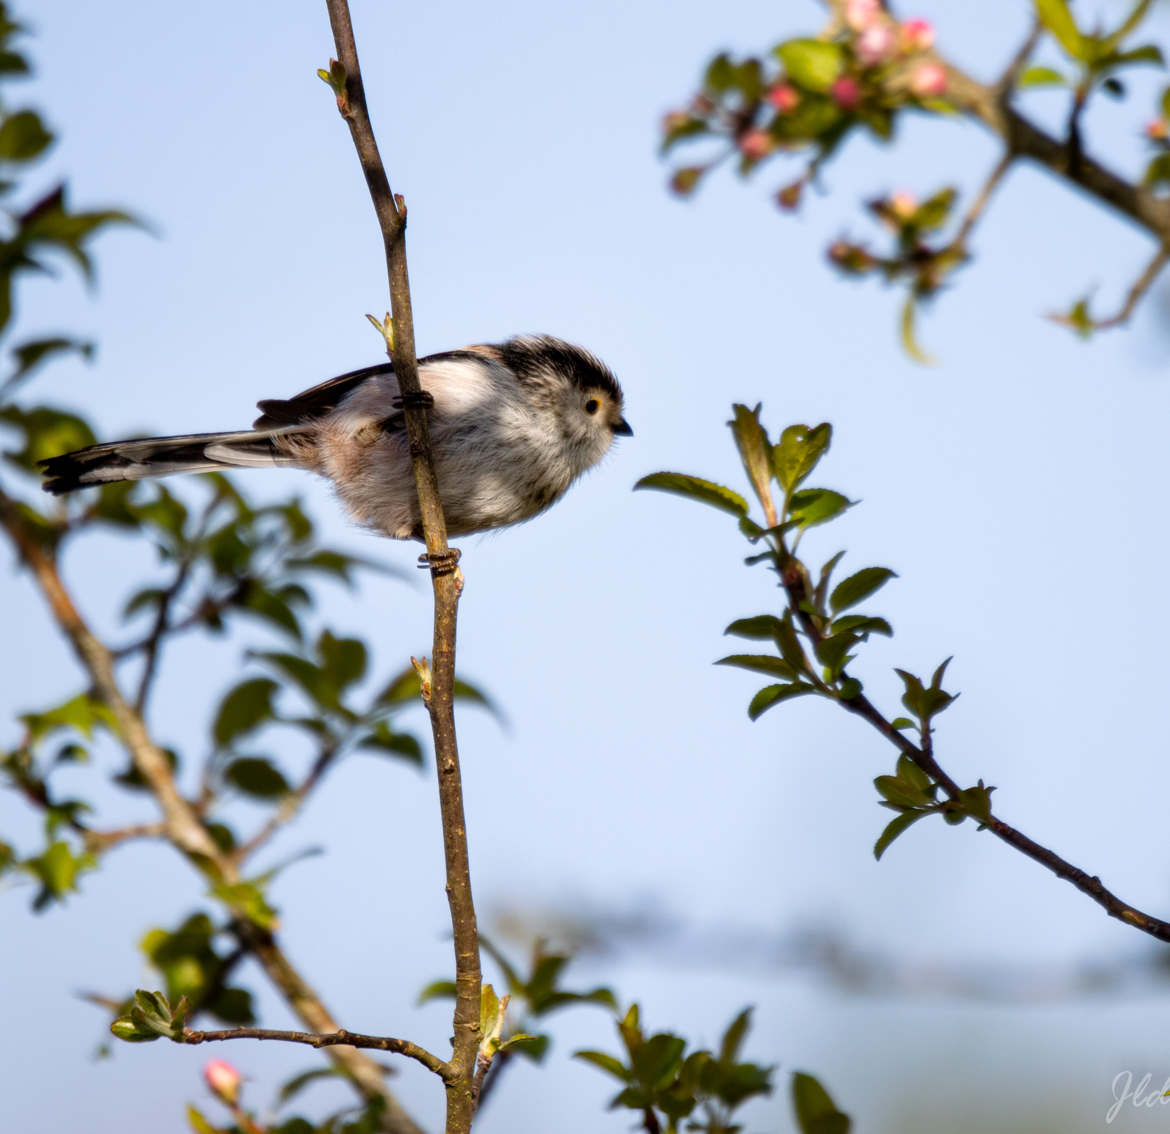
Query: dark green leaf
(858,587)
(761,663)
(773,694)
(32,354)
(256,777)
(342,659)
(733,1038)
(762,627)
(862,624)
(815,1111)
(894,828)
(694,488)
(606,1062)
(23,136)
(381,738)
(437,990)
(245,708)
(1158,171)
(534,1047)
(902,792)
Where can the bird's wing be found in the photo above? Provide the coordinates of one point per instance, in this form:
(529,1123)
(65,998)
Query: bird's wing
(315,402)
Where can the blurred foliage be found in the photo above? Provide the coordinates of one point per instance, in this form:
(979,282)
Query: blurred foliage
(808,95)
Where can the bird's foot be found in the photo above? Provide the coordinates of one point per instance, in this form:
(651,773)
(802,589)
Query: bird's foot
(443,563)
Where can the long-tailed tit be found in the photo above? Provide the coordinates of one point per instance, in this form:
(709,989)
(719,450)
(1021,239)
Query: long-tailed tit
(512,426)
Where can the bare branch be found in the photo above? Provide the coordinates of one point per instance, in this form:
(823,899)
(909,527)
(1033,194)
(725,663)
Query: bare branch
(1136,293)
(340,1038)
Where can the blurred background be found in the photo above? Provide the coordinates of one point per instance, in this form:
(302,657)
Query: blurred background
(703,862)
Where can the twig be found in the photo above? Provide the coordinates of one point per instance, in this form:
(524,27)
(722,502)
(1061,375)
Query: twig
(982,200)
(340,1038)
(794,579)
(1006,84)
(447,586)
(1136,293)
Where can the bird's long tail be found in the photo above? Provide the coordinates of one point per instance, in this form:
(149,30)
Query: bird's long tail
(164,456)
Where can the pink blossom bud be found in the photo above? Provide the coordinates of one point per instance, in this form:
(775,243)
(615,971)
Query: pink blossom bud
(875,45)
(223,1079)
(1158,130)
(859,14)
(903,204)
(917,35)
(846,92)
(928,81)
(756,144)
(784,97)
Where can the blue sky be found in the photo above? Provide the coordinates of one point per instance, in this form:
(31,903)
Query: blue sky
(1017,487)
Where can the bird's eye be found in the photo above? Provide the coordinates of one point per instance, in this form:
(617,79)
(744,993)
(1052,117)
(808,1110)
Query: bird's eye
(592,406)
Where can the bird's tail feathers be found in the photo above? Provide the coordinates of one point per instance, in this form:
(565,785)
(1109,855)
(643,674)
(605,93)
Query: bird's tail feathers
(164,456)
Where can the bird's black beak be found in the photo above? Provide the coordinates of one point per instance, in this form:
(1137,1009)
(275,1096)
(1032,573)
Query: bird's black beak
(622,429)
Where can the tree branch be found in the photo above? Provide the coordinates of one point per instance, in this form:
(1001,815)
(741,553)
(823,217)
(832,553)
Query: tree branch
(182,826)
(1136,293)
(794,579)
(340,1038)
(391,215)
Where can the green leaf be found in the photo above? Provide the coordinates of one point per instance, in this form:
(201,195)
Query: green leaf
(822,588)
(437,990)
(814,64)
(909,337)
(1158,171)
(812,506)
(248,899)
(381,738)
(858,587)
(1131,23)
(1056,17)
(606,1062)
(894,828)
(343,660)
(1040,77)
(798,452)
(694,488)
(127,1030)
(23,136)
(755,450)
(772,695)
(762,627)
(761,663)
(816,1112)
(34,353)
(733,1038)
(256,777)
(902,792)
(57,869)
(244,709)
(197,1122)
(862,624)
(534,1047)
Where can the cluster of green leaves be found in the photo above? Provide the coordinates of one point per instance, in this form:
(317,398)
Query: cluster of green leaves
(806,96)
(666,1084)
(1097,56)
(819,630)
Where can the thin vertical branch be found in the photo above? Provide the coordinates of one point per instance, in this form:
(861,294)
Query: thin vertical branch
(391,213)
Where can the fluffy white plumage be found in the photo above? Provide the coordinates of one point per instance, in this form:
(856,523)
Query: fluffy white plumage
(512,426)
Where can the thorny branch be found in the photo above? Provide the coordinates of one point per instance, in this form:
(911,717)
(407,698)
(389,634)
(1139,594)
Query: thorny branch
(391,213)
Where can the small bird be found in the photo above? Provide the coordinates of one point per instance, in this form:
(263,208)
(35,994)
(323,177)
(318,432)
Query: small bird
(511,425)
